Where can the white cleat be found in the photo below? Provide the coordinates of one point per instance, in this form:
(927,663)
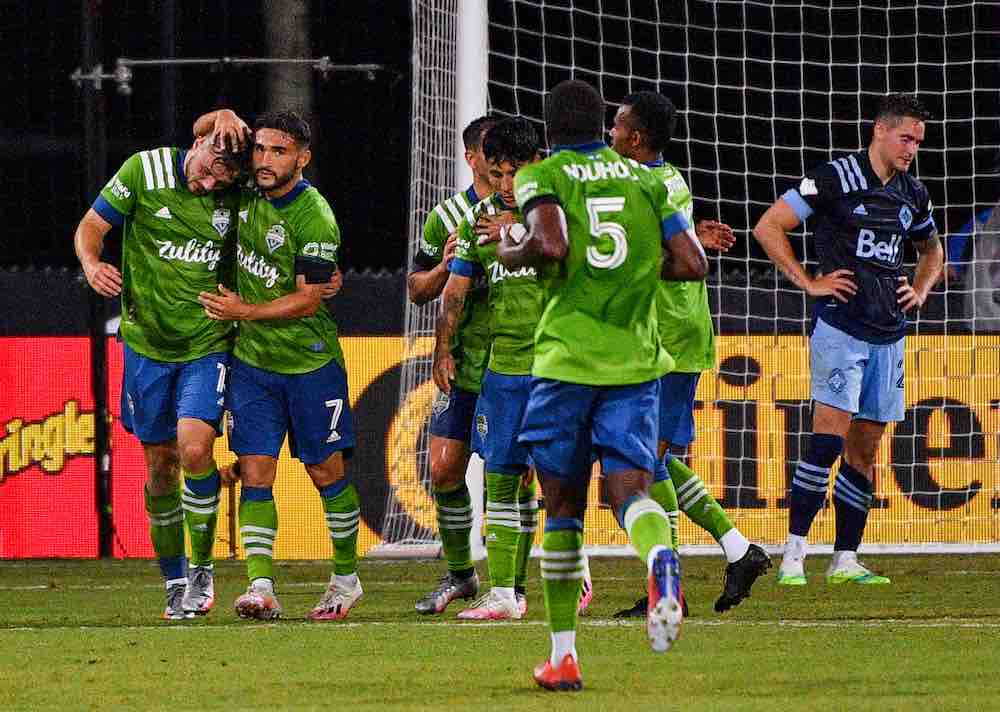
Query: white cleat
(492,607)
(259,602)
(200,594)
(337,601)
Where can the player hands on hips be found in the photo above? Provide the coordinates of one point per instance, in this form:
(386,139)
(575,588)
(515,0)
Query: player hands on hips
(866,207)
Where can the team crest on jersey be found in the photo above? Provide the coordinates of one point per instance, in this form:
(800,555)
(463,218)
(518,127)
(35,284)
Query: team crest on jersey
(837,380)
(220,220)
(441,403)
(275,237)
(905,217)
(482,426)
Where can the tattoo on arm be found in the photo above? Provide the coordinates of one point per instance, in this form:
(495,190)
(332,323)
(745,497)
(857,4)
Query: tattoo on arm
(452,302)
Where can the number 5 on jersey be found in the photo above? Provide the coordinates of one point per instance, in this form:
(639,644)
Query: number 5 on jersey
(612,230)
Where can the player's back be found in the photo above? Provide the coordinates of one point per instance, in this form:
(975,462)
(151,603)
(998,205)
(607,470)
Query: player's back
(599,324)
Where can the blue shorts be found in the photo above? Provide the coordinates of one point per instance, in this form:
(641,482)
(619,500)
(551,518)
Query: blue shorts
(566,422)
(499,412)
(452,415)
(677,407)
(313,409)
(156,394)
(856,376)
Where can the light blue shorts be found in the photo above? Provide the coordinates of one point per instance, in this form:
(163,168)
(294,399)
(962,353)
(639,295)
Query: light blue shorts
(856,376)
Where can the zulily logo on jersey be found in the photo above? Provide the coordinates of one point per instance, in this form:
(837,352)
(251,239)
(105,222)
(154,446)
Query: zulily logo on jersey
(499,273)
(257,266)
(192,251)
(869,247)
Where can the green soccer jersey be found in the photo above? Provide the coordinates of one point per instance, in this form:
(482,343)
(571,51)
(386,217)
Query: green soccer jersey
(175,244)
(515,297)
(470,345)
(685,320)
(599,325)
(272,234)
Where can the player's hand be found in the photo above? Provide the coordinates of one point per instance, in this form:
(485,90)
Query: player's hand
(224,306)
(230,131)
(908,297)
(837,284)
(332,288)
(449,249)
(714,235)
(104,278)
(230,474)
(489,228)
(443,370)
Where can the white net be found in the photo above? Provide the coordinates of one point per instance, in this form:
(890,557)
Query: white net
(766,91)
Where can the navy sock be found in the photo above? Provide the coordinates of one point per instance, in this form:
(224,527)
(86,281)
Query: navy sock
(852,497)
(809,485)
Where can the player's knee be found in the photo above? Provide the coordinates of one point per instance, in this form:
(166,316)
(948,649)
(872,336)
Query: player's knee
(163,469)
(448,467)
(195,456)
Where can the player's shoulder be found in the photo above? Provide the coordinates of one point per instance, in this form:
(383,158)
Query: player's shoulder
(447,215)
(914,188)
(151,168)
(671,177)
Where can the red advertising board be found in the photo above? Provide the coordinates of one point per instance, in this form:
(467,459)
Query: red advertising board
(48,505)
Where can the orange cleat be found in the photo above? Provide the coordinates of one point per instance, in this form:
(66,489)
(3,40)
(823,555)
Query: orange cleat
(565,678)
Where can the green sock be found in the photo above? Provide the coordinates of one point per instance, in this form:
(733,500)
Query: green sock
(454,515)
(166,524)
(201,507)
(664,494)
(527,505)
(562,572)
(503,526)
(647,526)
(695,500)
(343,514)
(258,528)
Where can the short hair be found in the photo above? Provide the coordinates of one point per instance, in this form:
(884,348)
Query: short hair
(289,122)
(238,160)
(893,107)
(472,135)
(514,140)
(656,115)
(574,113)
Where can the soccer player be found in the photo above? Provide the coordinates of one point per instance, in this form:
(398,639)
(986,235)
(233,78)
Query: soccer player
(515,305)
(866,205)
(597,224)
(642,130)
(178,220)
(452,412)
(288,372)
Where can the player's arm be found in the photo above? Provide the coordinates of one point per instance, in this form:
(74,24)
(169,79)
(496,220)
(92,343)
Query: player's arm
(546,240)
(304,301)
(88,241)
(452,303)
(772,231)
(425,282)
(684,259)
(230,131)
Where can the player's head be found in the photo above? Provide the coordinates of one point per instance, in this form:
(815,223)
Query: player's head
(472,137)
(280,150)
(507,146)
(574,114)
(208,168)
(643,126)
(899,129)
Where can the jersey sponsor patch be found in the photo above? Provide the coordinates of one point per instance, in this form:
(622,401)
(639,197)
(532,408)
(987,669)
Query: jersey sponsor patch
(220,220)
(119,190)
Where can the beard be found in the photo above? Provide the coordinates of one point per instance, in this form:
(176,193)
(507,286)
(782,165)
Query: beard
(280,180)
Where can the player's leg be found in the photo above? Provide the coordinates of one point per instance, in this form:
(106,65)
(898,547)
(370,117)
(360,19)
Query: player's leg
(527,506)
(321,436)
(835,363)
(148,411)
(258,417)
(200,392)
(450,430)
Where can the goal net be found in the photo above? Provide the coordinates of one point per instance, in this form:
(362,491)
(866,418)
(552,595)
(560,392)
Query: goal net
(766,91)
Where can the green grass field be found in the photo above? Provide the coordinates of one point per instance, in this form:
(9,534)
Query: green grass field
(86,635)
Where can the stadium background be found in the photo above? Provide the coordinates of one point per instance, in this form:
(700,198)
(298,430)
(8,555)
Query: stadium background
(751,411)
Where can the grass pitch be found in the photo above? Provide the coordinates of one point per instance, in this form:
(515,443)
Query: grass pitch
(80,635)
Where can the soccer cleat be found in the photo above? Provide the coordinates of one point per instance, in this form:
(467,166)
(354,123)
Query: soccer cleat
(448,589)
(259,602)
(200,595)
(740,576)
(337,601)
(565,678)
(854,572)
(522,603)
(641,607)
(665,613)
(586,596)
(175,603)
(492,607)
(792,572)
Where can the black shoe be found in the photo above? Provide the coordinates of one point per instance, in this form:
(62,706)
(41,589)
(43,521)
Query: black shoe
(641,606)
(740,576)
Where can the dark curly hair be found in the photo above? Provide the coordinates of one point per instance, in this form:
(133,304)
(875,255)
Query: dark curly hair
(574,113)
(656,115)
(514,140)
(289,122)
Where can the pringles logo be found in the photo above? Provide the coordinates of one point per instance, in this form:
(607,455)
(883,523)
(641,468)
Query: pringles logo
(48,442)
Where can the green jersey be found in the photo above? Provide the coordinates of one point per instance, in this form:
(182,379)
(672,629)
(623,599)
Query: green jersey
(685,320)
(175,244)
(470,345)
(272,234)
(599,325)
(515,297)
